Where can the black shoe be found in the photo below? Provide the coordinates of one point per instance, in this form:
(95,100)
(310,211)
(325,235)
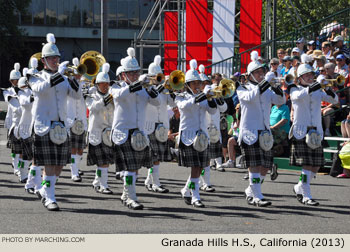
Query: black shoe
(39,195)
(311,202)
(246,177)
(220,169)
(76,179)
(52,207)
(198,204)
(274,173)
(117,176)
(259,202)
(81,173)
(134,205)
(105,191)
(299,196)
(30,190)
(23,181)
(149,187)
(160,189)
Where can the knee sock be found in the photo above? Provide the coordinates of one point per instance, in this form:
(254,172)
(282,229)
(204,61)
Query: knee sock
(255,184)
(155,175)
(49,183)
(194,186)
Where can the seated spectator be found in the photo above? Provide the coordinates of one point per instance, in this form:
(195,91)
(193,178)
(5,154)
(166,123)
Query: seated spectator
(280,54)
(295,64)
(341,67)
(280,126)
(311,45)
(326,49)
(345,131)
(274,67)
(320,62)
(296,52)
(330,74)
(300,44)
(340,47)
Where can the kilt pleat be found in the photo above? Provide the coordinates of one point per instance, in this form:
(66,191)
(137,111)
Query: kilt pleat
(253,155)
(16,144)
(78,142)
(100,155)
(46,153)
(160,151)
(189,157)
(127,159)
(215,150)
(27,148)
(301,154)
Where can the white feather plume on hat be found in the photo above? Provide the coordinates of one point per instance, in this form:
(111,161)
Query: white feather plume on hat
(157,60)
(25,71)
(131,52)
(50,37)
(17,66)
(254,55)
(201,68)
(75,61)
(193,64)
(34,62)
(105,67)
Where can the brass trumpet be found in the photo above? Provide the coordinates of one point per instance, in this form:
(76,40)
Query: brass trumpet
(176,81)
(75,70)
(225,89)
(158,79)
(288,79)
(93,61)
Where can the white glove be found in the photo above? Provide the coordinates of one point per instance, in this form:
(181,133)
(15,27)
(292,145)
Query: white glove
(207,89)
(321,79)
(143,78)
(269,76)
(62,67)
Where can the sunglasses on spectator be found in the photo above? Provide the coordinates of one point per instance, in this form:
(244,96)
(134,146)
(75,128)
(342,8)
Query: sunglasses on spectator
(274,64)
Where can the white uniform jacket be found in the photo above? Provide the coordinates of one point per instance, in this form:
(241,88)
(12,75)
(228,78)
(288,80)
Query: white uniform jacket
(14,111)
(214,119)
(25,127)
(307,110)
(192,117)
(51,103)
(255,111)
(76,110)
(129,111)
(158,114)
(100,117)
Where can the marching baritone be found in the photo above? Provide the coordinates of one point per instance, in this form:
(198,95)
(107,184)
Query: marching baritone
(51,143)
(255,138)
(306,132)
(100,152)
(131,144)
(157,127)
(77,123)
(193,131)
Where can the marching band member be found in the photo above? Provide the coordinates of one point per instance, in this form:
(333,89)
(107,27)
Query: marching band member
(255,137)
(131,144)
(27,101)
(14,116)
(51,144)
(306,132)
(157,127)
(193,131)
(77,123)
(215,147)
(25,126)
(100,151)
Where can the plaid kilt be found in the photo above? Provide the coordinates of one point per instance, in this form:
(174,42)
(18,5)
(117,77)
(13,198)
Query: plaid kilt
(214,150)
(160,151)
(189,157)
(100,155)
(78,142)
(253,155)
(16,145)
(47,153)
(127,159)
(301,154)
(27,148)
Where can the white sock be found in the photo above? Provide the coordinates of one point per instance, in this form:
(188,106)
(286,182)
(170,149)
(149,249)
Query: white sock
(104,177)
(37,177)
(155,175)
(97,180)
(194,186)
(149,178)
(74,166)
(206,176)
(218,161)
(305,178)
(31,178)
(49,188)
(15,160)
(185,191)
(255,185)
(129,185)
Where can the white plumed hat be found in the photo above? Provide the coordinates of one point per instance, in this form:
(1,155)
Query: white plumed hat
(203,76)
(103,75)
(304,69)
(154,68)
(50,48)
(255,64)
(15,74)
(130,63)
(192,74)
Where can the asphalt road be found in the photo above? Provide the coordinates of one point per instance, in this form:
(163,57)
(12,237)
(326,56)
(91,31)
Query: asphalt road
(87,212)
